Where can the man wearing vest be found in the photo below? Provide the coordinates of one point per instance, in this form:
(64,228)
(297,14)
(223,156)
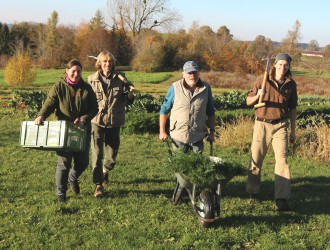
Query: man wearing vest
(190,102)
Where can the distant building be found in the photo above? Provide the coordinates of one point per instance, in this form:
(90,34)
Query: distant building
(313,53)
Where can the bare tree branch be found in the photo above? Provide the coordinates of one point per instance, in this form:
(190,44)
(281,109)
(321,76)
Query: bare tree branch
(136,15)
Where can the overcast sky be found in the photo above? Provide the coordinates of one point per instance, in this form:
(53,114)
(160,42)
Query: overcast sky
(246,19)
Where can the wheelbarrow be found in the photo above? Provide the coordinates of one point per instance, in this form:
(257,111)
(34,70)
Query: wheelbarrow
(205,200)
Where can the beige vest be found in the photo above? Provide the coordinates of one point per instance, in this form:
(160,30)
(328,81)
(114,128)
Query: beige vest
(188,114)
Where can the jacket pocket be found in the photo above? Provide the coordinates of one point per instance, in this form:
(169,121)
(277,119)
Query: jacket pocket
(98,95)
(172,127)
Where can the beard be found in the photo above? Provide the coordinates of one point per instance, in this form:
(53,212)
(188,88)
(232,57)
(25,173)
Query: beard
(192,83)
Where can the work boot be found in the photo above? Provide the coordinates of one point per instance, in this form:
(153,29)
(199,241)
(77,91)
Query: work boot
(281,205)
(99,191)
(61,198)
(254,198)
(74,185)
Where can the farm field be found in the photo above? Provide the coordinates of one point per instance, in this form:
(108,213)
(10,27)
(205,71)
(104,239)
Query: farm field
(137,212)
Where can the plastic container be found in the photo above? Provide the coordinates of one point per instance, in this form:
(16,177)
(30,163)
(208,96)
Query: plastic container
(53,135)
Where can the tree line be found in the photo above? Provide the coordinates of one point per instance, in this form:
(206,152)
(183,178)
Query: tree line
(139,44)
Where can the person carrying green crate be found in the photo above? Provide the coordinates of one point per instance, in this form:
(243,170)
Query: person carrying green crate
(71,99)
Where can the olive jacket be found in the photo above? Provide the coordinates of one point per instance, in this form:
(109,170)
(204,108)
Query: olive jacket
(70,102)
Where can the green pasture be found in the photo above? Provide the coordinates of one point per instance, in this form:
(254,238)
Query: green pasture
(137,212)
(314,64)
(46,77)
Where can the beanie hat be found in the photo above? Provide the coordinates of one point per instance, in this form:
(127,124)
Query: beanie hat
(283,56)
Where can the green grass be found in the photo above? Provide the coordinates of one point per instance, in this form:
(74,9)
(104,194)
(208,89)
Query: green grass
(137,213)
(309,73)
(48,77)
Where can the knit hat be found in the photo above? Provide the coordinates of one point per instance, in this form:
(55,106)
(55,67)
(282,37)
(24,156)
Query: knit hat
(283,56)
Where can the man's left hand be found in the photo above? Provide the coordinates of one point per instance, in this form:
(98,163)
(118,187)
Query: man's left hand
(292,137)
(211,136)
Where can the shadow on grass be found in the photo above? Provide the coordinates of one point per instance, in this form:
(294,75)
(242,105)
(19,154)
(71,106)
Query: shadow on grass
(67,210)
(275,221)
(309,195)
(142,180)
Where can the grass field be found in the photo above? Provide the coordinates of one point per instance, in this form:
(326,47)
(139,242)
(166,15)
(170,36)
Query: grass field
(137,212)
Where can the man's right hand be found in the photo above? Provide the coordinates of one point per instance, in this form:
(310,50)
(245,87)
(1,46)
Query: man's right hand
(163,136)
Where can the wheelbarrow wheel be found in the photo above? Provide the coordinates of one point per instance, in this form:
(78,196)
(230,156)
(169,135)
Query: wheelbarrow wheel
(176,198)
(206,208)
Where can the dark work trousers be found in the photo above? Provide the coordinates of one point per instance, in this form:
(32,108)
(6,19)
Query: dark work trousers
(105,144)
(197,147)
(64,172)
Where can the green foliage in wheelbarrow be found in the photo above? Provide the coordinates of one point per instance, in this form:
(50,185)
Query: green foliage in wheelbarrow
(202,170)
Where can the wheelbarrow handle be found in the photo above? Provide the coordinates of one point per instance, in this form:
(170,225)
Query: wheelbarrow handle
(211,148)
(168,147)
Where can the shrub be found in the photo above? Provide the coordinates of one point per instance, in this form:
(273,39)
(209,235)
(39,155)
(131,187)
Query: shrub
(230,100)
(313,141)
(19,70)
(236,134)
(148,59)
(146,102)
(32,100)
(202,170)
(141,122)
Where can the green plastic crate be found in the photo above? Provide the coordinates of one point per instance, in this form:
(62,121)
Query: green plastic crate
(53,135)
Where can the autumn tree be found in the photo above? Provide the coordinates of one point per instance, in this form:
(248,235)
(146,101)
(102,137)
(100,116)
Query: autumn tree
(22,36)
(97,41)
(258,50)
(206,30)
(4,39)
(313,46)
(326,50)
(81,34)
(195,44)
(135,15)
(97,22)
(290,44)
(124,47)
(52,37)
(240,61)
(19,70)
(64,50)
(216,48)
(223,33)
(149,56)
